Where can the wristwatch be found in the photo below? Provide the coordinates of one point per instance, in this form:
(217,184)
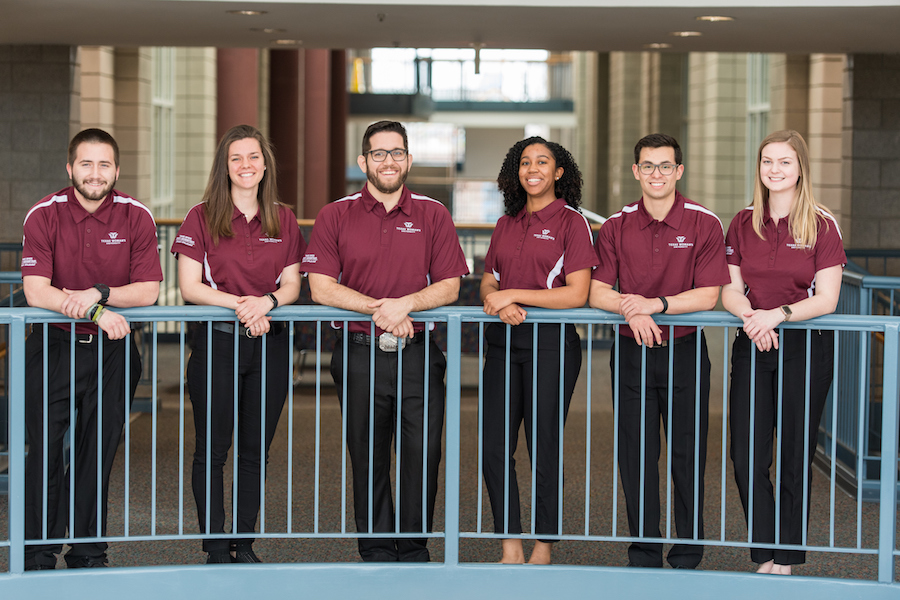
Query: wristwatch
(104,293)
(787,312)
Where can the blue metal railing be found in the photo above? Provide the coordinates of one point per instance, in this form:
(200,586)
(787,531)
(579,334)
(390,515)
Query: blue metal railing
(453,578)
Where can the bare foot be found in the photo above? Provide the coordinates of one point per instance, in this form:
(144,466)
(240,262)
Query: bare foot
(781,569)
(766,567)
(512,552)
(540,555)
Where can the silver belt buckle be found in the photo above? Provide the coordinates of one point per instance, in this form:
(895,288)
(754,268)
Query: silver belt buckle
(388,342)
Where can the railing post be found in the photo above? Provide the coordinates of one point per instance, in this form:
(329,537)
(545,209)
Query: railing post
(887,526)
(17,445)
(451,467)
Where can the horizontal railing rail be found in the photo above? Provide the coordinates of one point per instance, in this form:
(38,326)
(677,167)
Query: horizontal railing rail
(870,534)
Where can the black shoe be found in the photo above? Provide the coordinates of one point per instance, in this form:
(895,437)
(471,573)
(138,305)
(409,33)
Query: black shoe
(219,557)
(245,555)
(683,567)
(39,567)
(87,562)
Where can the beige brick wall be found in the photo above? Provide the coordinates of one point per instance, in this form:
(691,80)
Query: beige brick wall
(133,69)
(825,117)
(96,84)
(625,116)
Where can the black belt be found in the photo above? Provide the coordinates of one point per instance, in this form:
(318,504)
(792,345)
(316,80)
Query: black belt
(224,327)
(357,337)
(64,334)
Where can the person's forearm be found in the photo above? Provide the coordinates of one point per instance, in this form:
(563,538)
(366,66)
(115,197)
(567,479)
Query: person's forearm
(196,292)
(326,290)
(437,294)
(735,302)
(561,297)
(604,298)
(141,293)
(693,300)
(40,294)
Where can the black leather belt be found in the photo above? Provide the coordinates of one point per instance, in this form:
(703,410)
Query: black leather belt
(386,341)
(64,334)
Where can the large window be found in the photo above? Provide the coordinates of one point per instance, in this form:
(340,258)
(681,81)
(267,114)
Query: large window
(757,111)
(162,132)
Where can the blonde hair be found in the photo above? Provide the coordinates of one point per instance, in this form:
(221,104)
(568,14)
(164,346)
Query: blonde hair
(805,211)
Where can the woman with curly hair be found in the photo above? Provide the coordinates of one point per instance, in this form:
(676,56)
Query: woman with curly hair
(541,255)
(786,259)
(240,249)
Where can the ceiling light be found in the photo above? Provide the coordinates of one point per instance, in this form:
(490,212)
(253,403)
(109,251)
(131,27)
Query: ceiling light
(287,42)
(657,46)
(246,13)
(686,33)
(715,18)
(267,30)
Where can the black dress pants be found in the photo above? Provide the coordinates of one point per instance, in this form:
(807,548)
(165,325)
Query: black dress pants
(116,403)
(216,412)
(687,443)
(792,439)
(411,440)
(541,431)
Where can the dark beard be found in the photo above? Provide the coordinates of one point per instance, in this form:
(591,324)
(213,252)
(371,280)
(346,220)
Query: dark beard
(95,197)
(372,176)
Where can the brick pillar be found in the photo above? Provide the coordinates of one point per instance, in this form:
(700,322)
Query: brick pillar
(317,131)
(285,111)
(237,86)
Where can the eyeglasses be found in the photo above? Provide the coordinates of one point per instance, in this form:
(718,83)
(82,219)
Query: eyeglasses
(397,154)
(665,169)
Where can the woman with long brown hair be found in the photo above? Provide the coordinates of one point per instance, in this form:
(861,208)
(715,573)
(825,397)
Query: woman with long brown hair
(240,249)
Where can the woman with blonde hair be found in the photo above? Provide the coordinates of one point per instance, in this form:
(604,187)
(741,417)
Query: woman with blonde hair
(785,257)
(240,249)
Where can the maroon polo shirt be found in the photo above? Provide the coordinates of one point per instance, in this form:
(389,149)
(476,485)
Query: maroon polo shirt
(385,255)
(536,251)
(777,270)
(116,245)
(684,251)
(250,262)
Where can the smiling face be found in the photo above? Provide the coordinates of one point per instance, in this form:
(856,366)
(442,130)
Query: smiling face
(657,186)
(779,168)
(246,165)
(93,172)
(386,177)
(538,172)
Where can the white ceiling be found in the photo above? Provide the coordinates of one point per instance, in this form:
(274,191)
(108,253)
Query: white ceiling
(793,26)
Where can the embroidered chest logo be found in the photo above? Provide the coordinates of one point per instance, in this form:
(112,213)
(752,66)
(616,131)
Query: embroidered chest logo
(270,240)
(408,227)
(113,239)
(798,245)
(729,250)
(544,235)
(681,243)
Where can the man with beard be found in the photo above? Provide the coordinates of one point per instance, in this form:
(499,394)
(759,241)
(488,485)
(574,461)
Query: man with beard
(387,252)
(86,248)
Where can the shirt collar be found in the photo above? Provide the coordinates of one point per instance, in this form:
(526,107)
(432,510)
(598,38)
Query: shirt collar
(102,214)
(673,219)
(405,203)
(546,213)
(237,214)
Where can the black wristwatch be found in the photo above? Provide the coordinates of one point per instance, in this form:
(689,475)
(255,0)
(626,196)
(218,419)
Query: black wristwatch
(274,300)
(104,292)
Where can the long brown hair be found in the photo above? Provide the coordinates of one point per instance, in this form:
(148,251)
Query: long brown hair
(805,212)
(217,197)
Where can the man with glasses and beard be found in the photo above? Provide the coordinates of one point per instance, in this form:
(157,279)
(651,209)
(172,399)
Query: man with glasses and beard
(387,252)
(86,248)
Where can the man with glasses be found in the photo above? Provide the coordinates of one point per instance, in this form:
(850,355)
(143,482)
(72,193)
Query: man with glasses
(667,254)
(388,252)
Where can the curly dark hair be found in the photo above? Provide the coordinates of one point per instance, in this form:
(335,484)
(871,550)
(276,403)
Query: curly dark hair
(568,187)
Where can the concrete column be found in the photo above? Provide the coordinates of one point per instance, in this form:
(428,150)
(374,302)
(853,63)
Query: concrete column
(715,157)
(789,94)
(286,68)
(872,150)
(317,130)
(826,75)
(237,85)
(625,113)
(591,148)
(97,80)
(133,116)
(195,124)
(37,93)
